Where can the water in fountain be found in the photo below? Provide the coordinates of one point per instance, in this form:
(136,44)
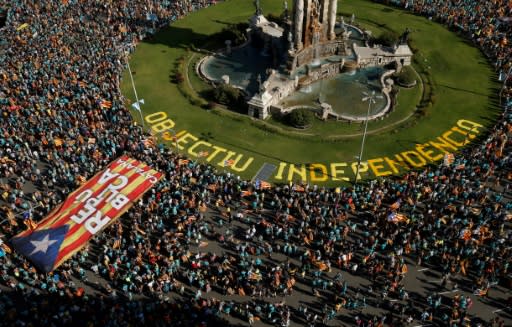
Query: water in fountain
(321,98)
(351,72)
(241,66)
(342,92)
(315,62)
(316,56)
(306,89)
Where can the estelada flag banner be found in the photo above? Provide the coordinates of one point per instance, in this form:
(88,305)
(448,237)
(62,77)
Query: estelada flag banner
(105,104)
(85,212)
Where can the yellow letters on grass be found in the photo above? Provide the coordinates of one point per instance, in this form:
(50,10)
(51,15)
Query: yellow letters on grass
(301,171)
(218,150)
(336,171)
(414,159)
(192,149)
(280,171)
(314,169)
(184,140)
(421,148)
(363,168)
(376,166)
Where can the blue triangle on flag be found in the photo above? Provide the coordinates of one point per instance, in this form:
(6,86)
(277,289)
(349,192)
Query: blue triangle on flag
(42,246)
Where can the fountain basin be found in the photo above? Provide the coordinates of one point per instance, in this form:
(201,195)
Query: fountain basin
(344,93)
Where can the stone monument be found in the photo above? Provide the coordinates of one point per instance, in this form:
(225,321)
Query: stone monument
(313,32)
(314,15)
(304,50)
(258,7)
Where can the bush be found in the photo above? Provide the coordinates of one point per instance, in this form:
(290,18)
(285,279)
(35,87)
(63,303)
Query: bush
(387,38)
(414,47)
(233,32)
(406,77)
(179,77)
(210,105)
(300,118)
(197,101)
(225,94)
(424,112)
(230,96)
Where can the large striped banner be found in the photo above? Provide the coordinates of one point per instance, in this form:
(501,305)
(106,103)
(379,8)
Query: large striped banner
(85,212)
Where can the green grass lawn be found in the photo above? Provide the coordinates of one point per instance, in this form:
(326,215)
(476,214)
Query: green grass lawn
(462,82)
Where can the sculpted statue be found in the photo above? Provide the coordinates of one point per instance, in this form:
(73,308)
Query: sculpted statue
(315,8)
(258,7)
(405,36)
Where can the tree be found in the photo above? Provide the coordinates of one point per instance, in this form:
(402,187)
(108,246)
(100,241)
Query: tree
(406,77)
(179,78)
(230,96)
(233,32)
(387,38)
(300,118)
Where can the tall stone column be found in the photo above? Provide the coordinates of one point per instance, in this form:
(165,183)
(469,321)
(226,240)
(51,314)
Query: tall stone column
(307,34)
(333,7)
(324,19)
(299,19)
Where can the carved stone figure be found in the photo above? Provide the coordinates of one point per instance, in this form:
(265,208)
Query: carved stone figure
(290,41)
(258,7)
(333,6)
(405,36)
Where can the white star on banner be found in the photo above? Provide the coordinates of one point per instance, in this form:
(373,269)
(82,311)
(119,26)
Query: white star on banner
(43,245)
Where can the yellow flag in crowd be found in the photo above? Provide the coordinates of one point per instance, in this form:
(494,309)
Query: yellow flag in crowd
(81,179)
(265,185)
(105,104)
(22,27)
(117,244)
(246,193)
(31,225)
(6,248)
(203,154)
(182,162)
(11,217)
(58,141)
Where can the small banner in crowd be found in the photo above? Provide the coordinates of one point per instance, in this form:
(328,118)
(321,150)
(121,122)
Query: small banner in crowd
(85,212)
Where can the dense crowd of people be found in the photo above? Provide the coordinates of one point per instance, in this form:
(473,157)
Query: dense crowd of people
(157,265)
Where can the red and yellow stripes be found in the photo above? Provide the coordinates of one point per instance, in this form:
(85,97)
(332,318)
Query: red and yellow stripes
(78,235)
